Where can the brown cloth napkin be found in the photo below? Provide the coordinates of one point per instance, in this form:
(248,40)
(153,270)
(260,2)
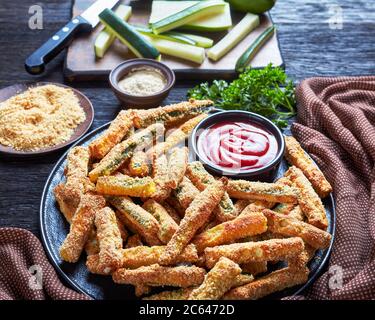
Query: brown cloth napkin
(25,272)
(336,125)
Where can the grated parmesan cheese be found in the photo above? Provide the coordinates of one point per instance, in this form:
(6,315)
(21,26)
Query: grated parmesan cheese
(40,117)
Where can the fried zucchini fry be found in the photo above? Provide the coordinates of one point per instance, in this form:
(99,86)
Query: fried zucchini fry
(134,241)
(68,200)
(269,250)
(177,166)
(296,213)
(156,275)
(172,114)
(179,294)
(254,268)
(118,129)
(284,208)
(81,226)
(185,193)
(109,236)
(238,228)
(309,201)
(291,227)
(160,174)
(198,175)
(302,259)
(122,185)
(123,232)
(77,183)
(137,219)
(217,281)
(241,280)
(177,136)
(275,281)
(167,225)
(124,150)
(271,192)
(299,158)
(141,290)
(172,212)
(136,257)
(240,205)
(196,215)
(256,206)
(139,164)
(95,267)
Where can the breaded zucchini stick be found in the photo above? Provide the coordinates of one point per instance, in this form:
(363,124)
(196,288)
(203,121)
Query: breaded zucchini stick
(81,226)
(177,164)
(122,185)
(269,250)
(167,225)
(160,175)
(299,158)
(77,183)
(177,136)
(136,257)
(201,179)
(139,164)
(238,228)
(195,217)
(296,213)
(309,201)
(156,275)
(184,194)
(94,266)
(284,208)
(124,151)
(172,212)
(117,130)
(271,192)
(172,114)
(275,281)
(92,243)
(302,259)
(217,281)
(240,205)
(254,268)
(286,226)
(256,206)
(134,241)
(109,236)
(137,219)
(141,290)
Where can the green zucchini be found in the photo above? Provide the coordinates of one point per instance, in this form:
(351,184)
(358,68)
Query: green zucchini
(200,41)
(179,50)
(169,35)
(194,12)
(217,22)
(128,35)
(238,33)
(250,52)
(105,38)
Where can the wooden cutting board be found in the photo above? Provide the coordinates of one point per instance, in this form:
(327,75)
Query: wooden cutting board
(81,63)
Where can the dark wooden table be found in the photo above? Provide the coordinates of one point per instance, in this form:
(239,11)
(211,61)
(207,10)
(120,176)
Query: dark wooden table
(309,44)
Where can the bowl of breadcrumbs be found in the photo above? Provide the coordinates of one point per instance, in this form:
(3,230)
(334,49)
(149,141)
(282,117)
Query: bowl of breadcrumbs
(40,118)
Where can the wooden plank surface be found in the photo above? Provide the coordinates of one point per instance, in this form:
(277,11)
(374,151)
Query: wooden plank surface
(81,63)
(309,46)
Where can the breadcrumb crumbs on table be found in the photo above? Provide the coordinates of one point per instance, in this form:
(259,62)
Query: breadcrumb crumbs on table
(40,117)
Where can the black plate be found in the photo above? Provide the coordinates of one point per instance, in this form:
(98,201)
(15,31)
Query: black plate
(54,229)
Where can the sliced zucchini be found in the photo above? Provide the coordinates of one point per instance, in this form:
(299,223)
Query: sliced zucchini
(218,22)
(169,35)
(128,35)
(197,11)
(179,50)
(240,31)
(249,54)
(200,41)
(105,38)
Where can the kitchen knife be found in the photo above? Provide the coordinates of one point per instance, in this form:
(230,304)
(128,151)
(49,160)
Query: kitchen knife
(85,22)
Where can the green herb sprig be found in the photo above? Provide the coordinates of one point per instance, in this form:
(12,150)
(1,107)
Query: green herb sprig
(267,92)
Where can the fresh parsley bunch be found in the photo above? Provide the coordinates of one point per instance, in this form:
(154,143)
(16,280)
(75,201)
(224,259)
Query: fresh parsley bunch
(267,92)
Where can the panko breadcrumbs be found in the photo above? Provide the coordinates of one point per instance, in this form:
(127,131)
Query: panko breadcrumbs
(40,117)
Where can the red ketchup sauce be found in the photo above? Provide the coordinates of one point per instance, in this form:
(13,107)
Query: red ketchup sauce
(237,145)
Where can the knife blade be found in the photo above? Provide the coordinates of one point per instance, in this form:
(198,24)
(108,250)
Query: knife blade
(85,22)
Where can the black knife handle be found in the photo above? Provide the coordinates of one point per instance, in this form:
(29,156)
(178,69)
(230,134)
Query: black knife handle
(35,63)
